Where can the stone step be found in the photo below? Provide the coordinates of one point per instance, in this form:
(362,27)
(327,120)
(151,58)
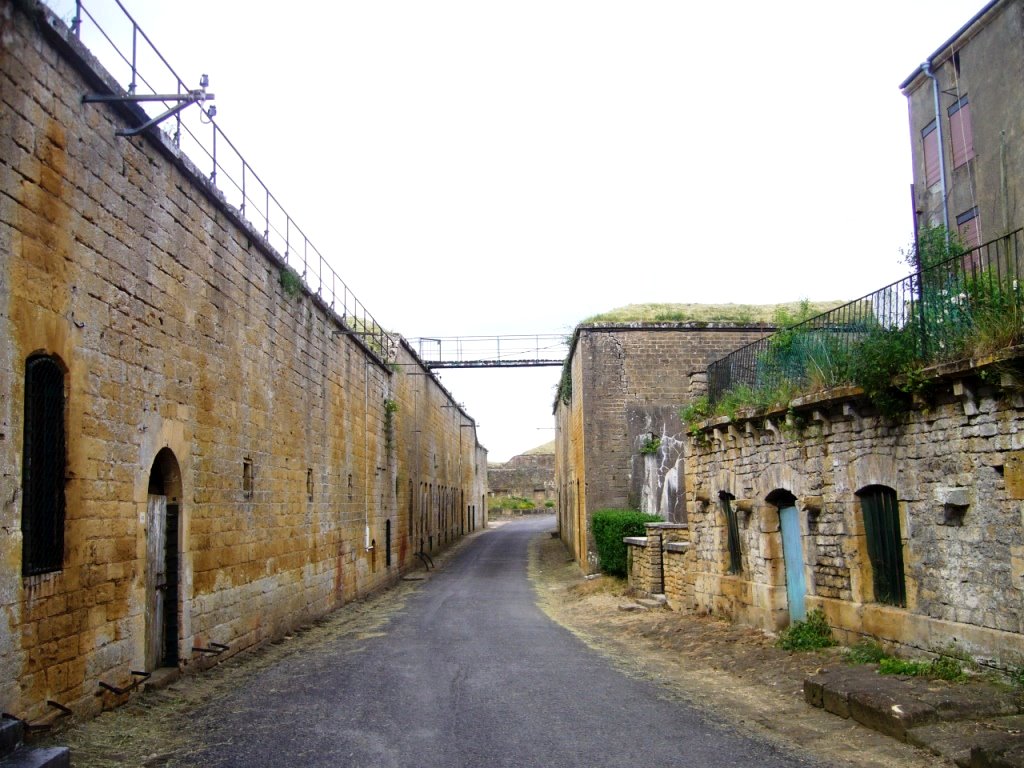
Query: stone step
(38,757)
(12,733)
(986,742)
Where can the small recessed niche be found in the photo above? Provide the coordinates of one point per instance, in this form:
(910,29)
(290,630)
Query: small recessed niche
(247,477)
(309,483)
(953,514)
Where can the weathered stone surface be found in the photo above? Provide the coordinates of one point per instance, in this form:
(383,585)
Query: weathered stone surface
(307,469)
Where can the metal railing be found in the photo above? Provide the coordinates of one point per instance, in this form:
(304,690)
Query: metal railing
(510,351)
(937,314)
(195,132)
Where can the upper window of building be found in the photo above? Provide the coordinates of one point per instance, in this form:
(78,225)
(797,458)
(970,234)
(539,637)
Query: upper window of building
(930,141)
(884,543)
(960,132)
(43,464)
(968,226)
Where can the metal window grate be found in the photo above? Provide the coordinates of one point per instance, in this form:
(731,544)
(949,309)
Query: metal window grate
(732,536)
(885,544)
(43,468)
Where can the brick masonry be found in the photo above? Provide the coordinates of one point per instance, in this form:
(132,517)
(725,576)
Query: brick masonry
(528,476)
(956,463)
(628,382)
(179,342)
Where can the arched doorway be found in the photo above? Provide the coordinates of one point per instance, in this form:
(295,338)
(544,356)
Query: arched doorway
(163,513)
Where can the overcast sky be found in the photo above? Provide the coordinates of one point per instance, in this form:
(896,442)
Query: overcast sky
(474,167)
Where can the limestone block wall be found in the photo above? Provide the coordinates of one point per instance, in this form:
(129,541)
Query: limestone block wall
(302,469)
(955,464)
(628,383)
(528,476)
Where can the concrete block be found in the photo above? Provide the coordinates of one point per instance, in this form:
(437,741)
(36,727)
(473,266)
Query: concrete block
(38,757)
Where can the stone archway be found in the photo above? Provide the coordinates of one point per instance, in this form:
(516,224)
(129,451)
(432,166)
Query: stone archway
(163,549)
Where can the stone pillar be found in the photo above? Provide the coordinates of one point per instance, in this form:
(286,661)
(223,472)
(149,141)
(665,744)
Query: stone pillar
(656,586)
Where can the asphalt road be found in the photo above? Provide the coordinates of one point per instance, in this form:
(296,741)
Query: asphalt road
(469,674)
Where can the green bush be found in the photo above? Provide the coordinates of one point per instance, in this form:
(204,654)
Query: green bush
(610,526)
(807,635)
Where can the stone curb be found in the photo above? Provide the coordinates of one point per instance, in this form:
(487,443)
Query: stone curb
(976,725)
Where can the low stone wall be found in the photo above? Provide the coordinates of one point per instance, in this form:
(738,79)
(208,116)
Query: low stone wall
(954,464)
(648,568)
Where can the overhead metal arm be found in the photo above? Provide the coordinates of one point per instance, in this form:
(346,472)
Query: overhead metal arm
(197,96)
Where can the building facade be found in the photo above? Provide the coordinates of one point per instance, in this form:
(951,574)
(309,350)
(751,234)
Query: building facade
(529,476)
(197,452)
(619,441)
(967,128)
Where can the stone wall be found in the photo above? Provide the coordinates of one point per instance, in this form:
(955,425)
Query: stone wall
(628,382)
(303,469)
(956,464)
(528,476)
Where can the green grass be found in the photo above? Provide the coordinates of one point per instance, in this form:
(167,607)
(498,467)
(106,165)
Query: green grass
(944,667)
(708,313)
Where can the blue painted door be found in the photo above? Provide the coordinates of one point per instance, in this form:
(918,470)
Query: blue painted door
(792,551)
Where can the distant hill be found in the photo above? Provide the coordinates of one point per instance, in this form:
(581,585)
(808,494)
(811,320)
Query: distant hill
(709,313)
(541,449)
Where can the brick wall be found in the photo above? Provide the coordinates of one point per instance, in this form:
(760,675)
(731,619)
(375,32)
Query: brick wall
(956,464)
(628,383)
(528,476)
(188,369)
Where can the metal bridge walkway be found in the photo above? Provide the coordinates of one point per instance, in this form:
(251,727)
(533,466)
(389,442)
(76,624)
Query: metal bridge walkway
(492,351)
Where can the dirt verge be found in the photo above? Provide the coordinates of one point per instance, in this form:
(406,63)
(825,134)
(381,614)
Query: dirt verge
(734,673)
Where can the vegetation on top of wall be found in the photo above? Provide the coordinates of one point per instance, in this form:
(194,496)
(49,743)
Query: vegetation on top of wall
(510,502)
(962,306)
(610,527)
(707,313)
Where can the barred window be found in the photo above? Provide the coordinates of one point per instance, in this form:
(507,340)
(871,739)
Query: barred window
(732,533)
(43,465)
(885,543)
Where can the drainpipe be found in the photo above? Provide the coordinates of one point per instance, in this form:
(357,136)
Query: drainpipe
(926,68)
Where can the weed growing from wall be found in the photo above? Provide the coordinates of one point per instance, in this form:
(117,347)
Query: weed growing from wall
(291,283)
(650,446)
(807,635)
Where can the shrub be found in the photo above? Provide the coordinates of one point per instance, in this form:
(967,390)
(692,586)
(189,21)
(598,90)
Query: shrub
(807,635)
(549,504)
(610,526)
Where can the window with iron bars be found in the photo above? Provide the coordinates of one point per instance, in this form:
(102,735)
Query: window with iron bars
(884,543)
(732,533)
(43,467)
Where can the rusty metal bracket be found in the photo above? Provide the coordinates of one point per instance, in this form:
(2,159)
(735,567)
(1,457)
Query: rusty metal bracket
(140,678)
(214,649)
(196,96)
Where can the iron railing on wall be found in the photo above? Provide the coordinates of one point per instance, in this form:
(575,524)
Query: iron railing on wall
(130,56)
(938,313)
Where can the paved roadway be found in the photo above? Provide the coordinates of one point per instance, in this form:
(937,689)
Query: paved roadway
(469,674)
